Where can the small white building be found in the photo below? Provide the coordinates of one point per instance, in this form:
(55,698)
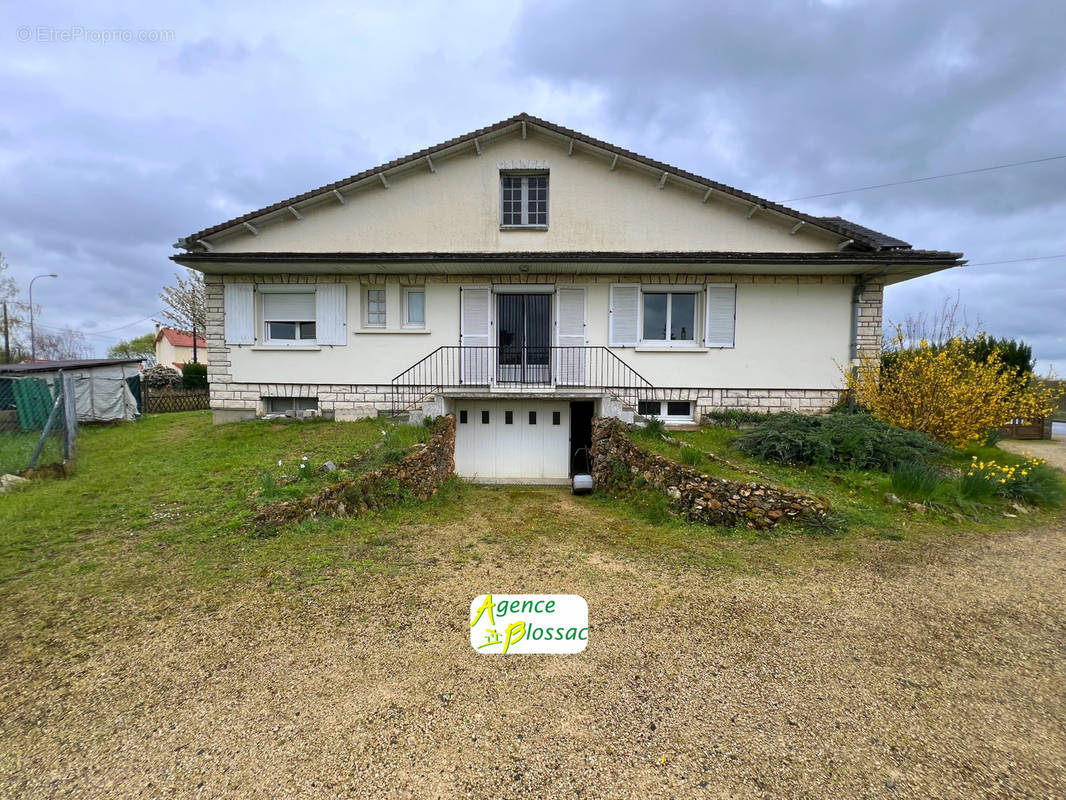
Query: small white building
(525,277)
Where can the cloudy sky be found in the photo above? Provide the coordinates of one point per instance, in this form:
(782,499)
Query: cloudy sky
(111,150)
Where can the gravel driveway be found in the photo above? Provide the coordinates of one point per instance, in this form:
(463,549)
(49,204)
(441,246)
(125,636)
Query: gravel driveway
(942,674)
(1053,450)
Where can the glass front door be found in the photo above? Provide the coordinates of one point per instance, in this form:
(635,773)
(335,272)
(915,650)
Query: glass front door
(523,325)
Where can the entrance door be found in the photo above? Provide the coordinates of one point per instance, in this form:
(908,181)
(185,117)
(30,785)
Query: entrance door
(523,326)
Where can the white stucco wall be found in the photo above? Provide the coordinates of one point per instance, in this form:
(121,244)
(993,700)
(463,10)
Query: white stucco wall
(591,207)
(791,332)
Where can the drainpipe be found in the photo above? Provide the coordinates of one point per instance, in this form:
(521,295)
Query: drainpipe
(856,296)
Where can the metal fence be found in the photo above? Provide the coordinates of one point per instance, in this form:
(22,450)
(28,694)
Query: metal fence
(38,422)
(162,401)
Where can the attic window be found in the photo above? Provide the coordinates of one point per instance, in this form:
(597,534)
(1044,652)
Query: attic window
(523,200)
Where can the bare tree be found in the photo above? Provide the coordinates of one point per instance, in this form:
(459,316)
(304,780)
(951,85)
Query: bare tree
(62,345)
(950,321)
(186,302)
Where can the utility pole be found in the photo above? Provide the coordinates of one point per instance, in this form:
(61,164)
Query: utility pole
(194,359)
(7,338)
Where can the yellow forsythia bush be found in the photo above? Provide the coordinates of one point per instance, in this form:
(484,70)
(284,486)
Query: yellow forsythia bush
(946,393)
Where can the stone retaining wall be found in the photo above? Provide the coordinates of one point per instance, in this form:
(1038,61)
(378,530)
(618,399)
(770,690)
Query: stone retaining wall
(619,464)
(420,474)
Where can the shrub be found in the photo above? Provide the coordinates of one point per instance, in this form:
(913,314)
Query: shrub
(733,417)
(851,440)
(160,377)
(194,375)
(916,480)
(948,392)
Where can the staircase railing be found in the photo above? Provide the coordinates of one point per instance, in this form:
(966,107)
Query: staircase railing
(461,367)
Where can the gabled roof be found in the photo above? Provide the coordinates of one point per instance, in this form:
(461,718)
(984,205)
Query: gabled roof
(859,236)
(180,338)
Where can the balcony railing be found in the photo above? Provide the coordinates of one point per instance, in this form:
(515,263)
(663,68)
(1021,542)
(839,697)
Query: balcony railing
(484,368)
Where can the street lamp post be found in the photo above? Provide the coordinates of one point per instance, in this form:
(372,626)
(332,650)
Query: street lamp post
(33,341)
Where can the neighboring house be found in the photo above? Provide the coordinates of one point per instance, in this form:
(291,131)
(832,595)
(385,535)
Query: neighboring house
(525,277)
(173,348)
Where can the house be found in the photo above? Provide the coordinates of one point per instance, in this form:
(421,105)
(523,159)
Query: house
(526,277)
(173,348)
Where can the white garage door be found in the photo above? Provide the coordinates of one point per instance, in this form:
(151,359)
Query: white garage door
(501,441)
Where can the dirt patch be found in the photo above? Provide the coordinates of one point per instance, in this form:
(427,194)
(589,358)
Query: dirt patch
(941,677)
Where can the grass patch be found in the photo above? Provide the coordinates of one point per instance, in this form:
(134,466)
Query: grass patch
(916,481)
(857,497)
(16,448)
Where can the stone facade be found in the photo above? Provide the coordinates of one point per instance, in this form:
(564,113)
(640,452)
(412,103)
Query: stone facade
(618,463)
(421,474)
(868,332)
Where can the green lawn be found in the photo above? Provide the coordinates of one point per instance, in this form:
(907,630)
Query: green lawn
(166,502)
(17,447)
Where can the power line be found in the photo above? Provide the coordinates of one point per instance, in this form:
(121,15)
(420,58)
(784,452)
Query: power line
(928,178)
(1014,260)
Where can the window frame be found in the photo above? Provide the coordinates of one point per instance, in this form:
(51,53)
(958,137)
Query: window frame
(407,292)
(366,307)
(525,175)
(298,340)
(667,417)
(670,291)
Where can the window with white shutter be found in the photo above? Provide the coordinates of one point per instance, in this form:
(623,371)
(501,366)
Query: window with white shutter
(721,314)
(476,356)
(570,335)
(289,317)
(238,305)
(625,315)
(331,313)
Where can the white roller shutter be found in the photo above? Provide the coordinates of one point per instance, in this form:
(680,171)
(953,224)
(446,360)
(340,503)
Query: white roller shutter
(570,336)
(475,332)
(721,314)
(238,304)
(331,314)
(289,307)
(625,314)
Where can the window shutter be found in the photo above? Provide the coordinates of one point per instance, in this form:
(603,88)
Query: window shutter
(474,328)
(570,335)
(625,314)
(293,306)
(721,315)
(238,305)
(331,314)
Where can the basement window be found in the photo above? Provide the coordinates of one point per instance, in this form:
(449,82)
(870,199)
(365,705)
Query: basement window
(289,405)
(669,411)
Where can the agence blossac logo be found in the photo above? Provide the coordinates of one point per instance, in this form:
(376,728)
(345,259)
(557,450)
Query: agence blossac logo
(529,623)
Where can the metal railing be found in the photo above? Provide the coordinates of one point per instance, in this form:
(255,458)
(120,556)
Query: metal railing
(460,367)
